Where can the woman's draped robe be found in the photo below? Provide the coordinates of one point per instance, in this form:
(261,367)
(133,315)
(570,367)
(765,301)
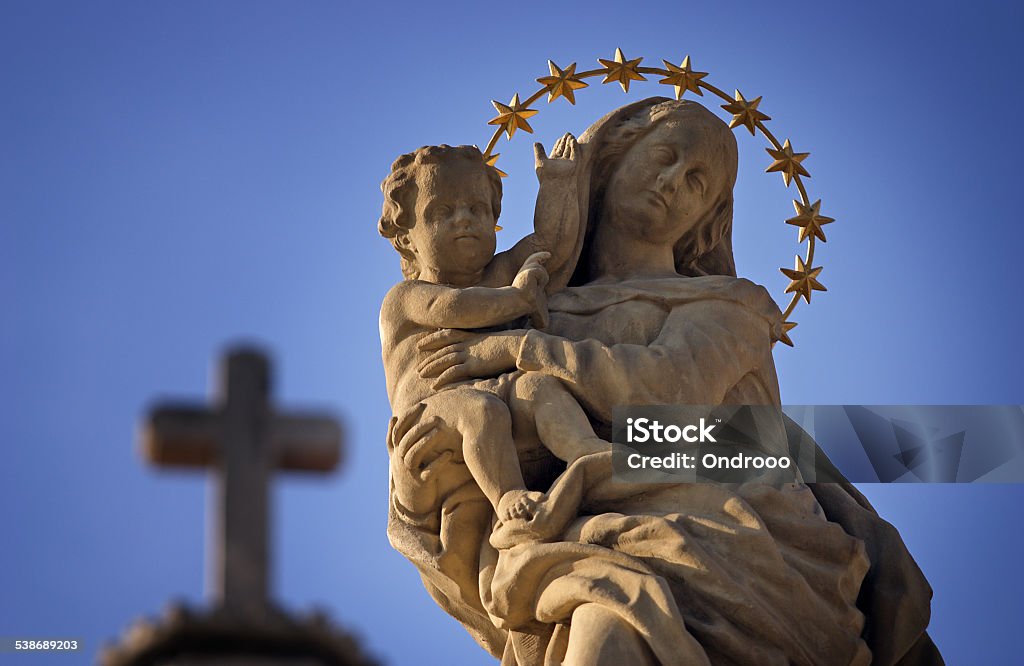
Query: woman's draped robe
(754,574)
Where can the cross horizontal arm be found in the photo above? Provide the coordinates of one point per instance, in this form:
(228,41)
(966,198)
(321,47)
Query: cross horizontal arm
(306,442)
(182,436)
(189,436)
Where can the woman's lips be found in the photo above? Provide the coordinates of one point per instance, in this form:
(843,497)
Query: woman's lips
(657,196)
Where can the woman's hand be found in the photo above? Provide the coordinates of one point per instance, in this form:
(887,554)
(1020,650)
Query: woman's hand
(561,166)
(421,450)
(450,356)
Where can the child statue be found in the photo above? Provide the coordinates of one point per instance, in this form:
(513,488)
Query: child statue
(441,204)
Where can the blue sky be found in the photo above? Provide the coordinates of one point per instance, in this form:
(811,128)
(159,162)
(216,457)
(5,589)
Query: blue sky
(178,176)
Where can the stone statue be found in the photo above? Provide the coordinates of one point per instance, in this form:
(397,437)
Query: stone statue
(544,558)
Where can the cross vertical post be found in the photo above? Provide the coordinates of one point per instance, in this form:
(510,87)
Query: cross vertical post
(240,558)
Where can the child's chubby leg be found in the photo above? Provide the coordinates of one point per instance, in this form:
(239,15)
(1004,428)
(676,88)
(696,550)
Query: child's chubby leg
(556,416)
(485,424)
(543,403)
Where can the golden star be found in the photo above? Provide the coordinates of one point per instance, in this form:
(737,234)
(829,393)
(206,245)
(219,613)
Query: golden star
(803,279)
(784,338)
(492,161)
(562,83)
(746,113)
(622,70)
(810,220)
(512,116)
(683,78)
(787,162)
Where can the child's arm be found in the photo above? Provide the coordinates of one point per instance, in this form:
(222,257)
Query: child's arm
(556,218)
(440,306)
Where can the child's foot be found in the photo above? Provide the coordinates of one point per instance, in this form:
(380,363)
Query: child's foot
(518,505)
(543,524)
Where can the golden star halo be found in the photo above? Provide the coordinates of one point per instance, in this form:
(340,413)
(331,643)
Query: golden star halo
(745,113)
(492,161)
(787,162)
(784,338)
(512,116)
(564,82)
(803,280)
(622,70)
(683,78)
(810,220)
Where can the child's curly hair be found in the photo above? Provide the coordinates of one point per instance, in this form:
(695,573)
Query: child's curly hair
(400,190)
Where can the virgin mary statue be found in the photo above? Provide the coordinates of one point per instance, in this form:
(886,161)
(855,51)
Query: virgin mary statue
(652,313)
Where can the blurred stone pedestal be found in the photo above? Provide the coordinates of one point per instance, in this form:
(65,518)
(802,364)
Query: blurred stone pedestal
(189,637)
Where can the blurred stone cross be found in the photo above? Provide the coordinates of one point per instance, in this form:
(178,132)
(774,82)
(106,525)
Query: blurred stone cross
(243,440)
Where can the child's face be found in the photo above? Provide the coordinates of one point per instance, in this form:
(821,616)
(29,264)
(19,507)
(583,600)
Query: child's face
(454,231)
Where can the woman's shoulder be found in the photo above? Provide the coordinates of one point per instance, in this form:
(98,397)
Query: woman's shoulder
(669,292)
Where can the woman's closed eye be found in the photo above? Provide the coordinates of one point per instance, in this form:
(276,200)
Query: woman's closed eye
(664,156)
(697,181)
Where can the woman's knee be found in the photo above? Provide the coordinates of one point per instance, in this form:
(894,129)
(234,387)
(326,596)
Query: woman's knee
(599,635)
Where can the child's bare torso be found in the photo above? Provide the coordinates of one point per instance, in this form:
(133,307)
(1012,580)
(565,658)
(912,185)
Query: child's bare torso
(400,333)
(401,357)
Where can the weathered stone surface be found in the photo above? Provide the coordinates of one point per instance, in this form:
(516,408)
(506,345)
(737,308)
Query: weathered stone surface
(500,470)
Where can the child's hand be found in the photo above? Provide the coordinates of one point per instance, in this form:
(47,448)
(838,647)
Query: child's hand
(562,162)
(531,280)
(532,277)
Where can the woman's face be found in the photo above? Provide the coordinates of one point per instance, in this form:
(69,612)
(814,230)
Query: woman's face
(664,183)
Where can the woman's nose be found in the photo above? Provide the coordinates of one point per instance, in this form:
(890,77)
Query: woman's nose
(668,179)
